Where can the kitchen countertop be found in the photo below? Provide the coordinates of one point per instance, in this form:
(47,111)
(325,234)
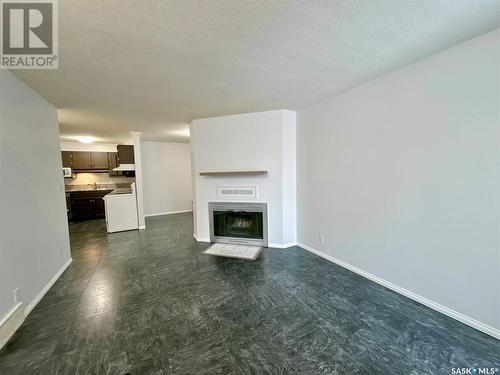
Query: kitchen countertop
(120,191)
(97,187)
(113,189)
(87,189)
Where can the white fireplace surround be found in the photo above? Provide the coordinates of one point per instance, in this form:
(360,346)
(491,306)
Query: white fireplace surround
(259,142)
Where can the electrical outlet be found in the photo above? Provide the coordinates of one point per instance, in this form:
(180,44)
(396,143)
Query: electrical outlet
(17,295)
(322,238)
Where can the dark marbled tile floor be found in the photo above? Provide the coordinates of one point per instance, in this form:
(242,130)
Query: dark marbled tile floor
(149,302)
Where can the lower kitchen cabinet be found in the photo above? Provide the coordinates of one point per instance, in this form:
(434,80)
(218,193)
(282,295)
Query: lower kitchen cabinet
(99,207)
(82,208)
(87,205)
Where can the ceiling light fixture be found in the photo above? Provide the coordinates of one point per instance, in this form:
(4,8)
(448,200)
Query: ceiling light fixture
(85,139)
(181,133)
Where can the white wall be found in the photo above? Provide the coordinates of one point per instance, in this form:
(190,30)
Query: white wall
(34,240)
(289,176)
(139,186)
(166,177)
(252,141)
(402,176)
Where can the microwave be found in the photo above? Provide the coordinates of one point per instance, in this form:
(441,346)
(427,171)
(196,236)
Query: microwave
(67,172)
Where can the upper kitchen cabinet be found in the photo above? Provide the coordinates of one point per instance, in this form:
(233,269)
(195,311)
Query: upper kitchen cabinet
(93,161)
(82,160)
(100,160)
(113,163)
(87,161)
(125,154)
(67,159)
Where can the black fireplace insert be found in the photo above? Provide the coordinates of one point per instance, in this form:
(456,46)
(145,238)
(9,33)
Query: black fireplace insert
(238,224)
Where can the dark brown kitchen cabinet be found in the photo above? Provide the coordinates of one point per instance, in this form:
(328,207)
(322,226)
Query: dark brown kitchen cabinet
(90,161)
(99,160)
(99,204)
(113,163)
(125,154)
(67,159)
(83,208)
(88,204)
(82,160)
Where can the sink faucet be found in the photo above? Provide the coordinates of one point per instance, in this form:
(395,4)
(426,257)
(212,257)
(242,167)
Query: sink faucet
(95,186)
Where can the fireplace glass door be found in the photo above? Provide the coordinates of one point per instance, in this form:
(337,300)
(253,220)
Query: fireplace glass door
(238,224)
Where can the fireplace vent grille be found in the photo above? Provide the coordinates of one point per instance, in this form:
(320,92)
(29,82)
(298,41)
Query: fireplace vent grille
(237,192)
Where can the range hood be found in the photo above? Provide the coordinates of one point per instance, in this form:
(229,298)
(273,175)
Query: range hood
(125,167)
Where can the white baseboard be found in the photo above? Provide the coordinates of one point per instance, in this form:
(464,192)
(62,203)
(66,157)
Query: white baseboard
(201,239)
(10,323)
(15,317)
(424,301)
(168,213)
(142,227)
(282,246)
(46,288)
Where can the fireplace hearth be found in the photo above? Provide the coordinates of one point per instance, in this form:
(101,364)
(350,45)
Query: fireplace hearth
(242,223)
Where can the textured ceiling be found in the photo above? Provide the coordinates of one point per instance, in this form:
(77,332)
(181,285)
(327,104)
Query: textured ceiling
(155,65)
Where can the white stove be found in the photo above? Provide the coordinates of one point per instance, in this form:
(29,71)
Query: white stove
(121,210)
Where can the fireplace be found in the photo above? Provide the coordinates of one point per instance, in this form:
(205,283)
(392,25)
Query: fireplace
(242,223)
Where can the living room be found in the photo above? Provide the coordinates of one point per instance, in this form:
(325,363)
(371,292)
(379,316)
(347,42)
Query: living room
(275,187)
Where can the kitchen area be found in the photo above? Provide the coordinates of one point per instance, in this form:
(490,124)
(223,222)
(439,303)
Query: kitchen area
(101,185)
